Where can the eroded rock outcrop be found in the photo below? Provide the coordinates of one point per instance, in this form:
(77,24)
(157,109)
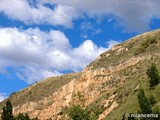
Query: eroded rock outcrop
(88,85)
(92,84)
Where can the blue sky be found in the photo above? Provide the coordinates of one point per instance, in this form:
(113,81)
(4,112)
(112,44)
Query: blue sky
(43,38)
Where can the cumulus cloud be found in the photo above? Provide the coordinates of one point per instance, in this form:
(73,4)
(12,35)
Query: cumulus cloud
(35,54)
(40,14)
(134,15)
(32,74)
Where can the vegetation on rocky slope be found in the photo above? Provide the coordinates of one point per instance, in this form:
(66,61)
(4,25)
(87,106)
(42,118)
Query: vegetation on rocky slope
(137,76)
(39,90)
(7,113)
(145,105)
(124,69)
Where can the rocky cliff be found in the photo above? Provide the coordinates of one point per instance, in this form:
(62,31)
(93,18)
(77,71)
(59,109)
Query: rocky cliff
(109,84)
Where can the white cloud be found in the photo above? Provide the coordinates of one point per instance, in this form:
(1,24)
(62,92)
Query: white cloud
(89,29)
(134,15)
(112,43)
(21,10)
(35,54)
(31,74)
(2,96)
(86,53)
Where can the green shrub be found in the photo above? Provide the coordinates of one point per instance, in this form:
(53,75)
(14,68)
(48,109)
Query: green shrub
(22,116)
(7,111)
(8,115)
(75,112)
(144,103)
(152,100)
(145,44)
(153,74)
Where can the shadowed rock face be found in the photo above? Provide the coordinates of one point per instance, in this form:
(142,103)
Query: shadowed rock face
(103,81)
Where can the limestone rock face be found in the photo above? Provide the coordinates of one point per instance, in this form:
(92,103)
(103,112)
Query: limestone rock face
(98,82)
(89,85)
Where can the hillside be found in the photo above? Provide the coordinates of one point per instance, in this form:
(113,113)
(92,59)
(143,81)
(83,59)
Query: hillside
(108,85)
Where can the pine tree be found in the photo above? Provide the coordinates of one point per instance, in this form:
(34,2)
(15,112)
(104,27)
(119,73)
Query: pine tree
(153,74)
(144,103)
(7,111)
(8,115)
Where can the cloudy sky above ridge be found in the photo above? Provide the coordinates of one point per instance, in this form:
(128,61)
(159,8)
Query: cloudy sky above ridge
(43,38)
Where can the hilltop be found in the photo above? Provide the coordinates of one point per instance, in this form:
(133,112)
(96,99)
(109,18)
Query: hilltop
(108,86)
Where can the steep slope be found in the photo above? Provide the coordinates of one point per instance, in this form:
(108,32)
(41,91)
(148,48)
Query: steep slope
(108,85)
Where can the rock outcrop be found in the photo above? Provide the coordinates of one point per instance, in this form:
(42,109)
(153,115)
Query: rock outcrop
(100,82)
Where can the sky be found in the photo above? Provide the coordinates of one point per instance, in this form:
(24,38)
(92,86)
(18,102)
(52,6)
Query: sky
(44,38)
